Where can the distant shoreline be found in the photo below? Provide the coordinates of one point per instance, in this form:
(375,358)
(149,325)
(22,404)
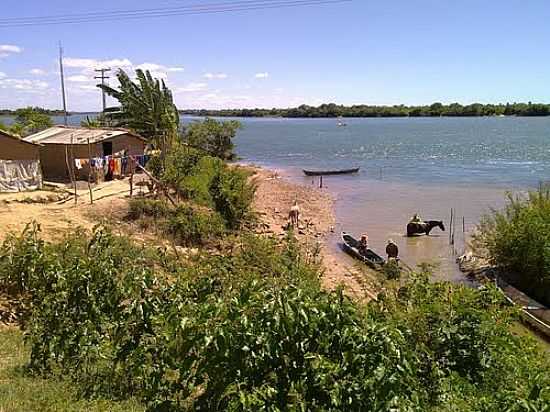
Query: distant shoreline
(360,111)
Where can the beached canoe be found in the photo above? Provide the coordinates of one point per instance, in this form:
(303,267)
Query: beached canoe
(351,246)
(331,172)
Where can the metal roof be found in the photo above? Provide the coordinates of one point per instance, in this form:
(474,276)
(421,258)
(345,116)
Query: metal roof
(80,135)
(16,138)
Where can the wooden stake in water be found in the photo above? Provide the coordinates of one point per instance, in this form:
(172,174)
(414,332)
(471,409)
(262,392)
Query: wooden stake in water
(451,228)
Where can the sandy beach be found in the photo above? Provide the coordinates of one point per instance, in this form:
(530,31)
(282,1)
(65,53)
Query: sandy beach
(274,197)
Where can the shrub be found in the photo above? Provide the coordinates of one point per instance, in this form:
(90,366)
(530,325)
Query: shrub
(518,242)
(142,207)
(232,195)
(194,227)
(213,137)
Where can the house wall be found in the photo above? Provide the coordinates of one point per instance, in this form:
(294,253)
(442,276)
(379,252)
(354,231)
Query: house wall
(54,165)
(12,149)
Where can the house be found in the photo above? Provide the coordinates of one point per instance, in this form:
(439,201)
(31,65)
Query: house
(19,164)
(60,146)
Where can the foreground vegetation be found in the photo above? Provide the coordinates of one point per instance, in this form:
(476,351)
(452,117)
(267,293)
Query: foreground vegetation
(517,240)
(433,110)
(23,391)
(254,330)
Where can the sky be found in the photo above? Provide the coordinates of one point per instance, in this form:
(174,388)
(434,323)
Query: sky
(356,52)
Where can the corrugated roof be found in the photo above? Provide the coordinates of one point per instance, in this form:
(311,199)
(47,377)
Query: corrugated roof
(80,135)
(17,138)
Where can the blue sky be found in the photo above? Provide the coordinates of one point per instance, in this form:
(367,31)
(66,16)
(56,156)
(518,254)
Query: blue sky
(363,51)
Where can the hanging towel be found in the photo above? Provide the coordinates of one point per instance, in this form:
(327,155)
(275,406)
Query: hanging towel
(117,167)
(77,164)
(125,165)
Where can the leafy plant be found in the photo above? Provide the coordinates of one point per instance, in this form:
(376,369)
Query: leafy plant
(213,137)
(518,242)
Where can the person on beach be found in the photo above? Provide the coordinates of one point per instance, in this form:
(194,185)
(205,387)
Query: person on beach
(363,244)
(294,214)
(392,250)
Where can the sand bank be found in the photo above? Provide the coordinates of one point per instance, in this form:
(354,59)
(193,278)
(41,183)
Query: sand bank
(274,198)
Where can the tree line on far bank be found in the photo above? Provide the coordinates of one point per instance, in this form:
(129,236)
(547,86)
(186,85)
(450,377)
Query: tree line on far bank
(433,110)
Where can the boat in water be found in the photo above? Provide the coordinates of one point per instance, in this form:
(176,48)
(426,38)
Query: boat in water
(341,122)
(371,258)
(331,172)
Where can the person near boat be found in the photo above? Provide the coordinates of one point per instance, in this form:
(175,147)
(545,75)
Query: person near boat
(363,244)
(392,250)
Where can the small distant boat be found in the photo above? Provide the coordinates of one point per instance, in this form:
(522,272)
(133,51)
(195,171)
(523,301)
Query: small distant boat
(351,246)
(331,172)
(341,122)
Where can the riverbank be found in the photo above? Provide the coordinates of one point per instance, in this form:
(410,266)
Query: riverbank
(274,197)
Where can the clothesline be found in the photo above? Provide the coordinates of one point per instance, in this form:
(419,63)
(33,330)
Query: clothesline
(112,165)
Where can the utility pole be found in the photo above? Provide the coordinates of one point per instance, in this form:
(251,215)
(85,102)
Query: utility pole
(62,84)
(102,77)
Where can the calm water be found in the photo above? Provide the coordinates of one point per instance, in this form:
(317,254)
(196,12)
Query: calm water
(408,165)
(424,165)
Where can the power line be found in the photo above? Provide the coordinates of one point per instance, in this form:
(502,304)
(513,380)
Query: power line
(161,12)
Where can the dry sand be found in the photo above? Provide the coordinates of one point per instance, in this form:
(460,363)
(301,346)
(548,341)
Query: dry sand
(274,198)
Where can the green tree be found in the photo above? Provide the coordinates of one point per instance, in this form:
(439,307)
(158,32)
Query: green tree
(30,120)
(214,137)
(146,106)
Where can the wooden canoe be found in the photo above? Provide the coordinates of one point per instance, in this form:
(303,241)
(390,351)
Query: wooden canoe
(351,246)
(331,172)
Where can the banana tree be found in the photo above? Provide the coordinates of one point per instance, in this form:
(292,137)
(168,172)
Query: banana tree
(146,106)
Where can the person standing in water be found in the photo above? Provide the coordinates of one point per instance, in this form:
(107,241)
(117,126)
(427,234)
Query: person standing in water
(392,250)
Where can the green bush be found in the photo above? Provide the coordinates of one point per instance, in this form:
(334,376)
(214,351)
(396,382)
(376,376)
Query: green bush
(142,207)
(518,242)
(232,195)
(213,137)
(191,226)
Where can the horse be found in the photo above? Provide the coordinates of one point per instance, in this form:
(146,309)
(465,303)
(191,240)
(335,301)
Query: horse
(294,214)
(423,227)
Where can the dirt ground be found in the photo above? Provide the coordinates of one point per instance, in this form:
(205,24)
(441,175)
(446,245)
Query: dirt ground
(57,212)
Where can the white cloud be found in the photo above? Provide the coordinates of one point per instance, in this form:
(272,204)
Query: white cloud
(2,75)
(87,66)
(79,78)
(23,84)
(215,75)
(9,48)
(192,87)
(92,64)
(263,75)
(37,72)
(88,87)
